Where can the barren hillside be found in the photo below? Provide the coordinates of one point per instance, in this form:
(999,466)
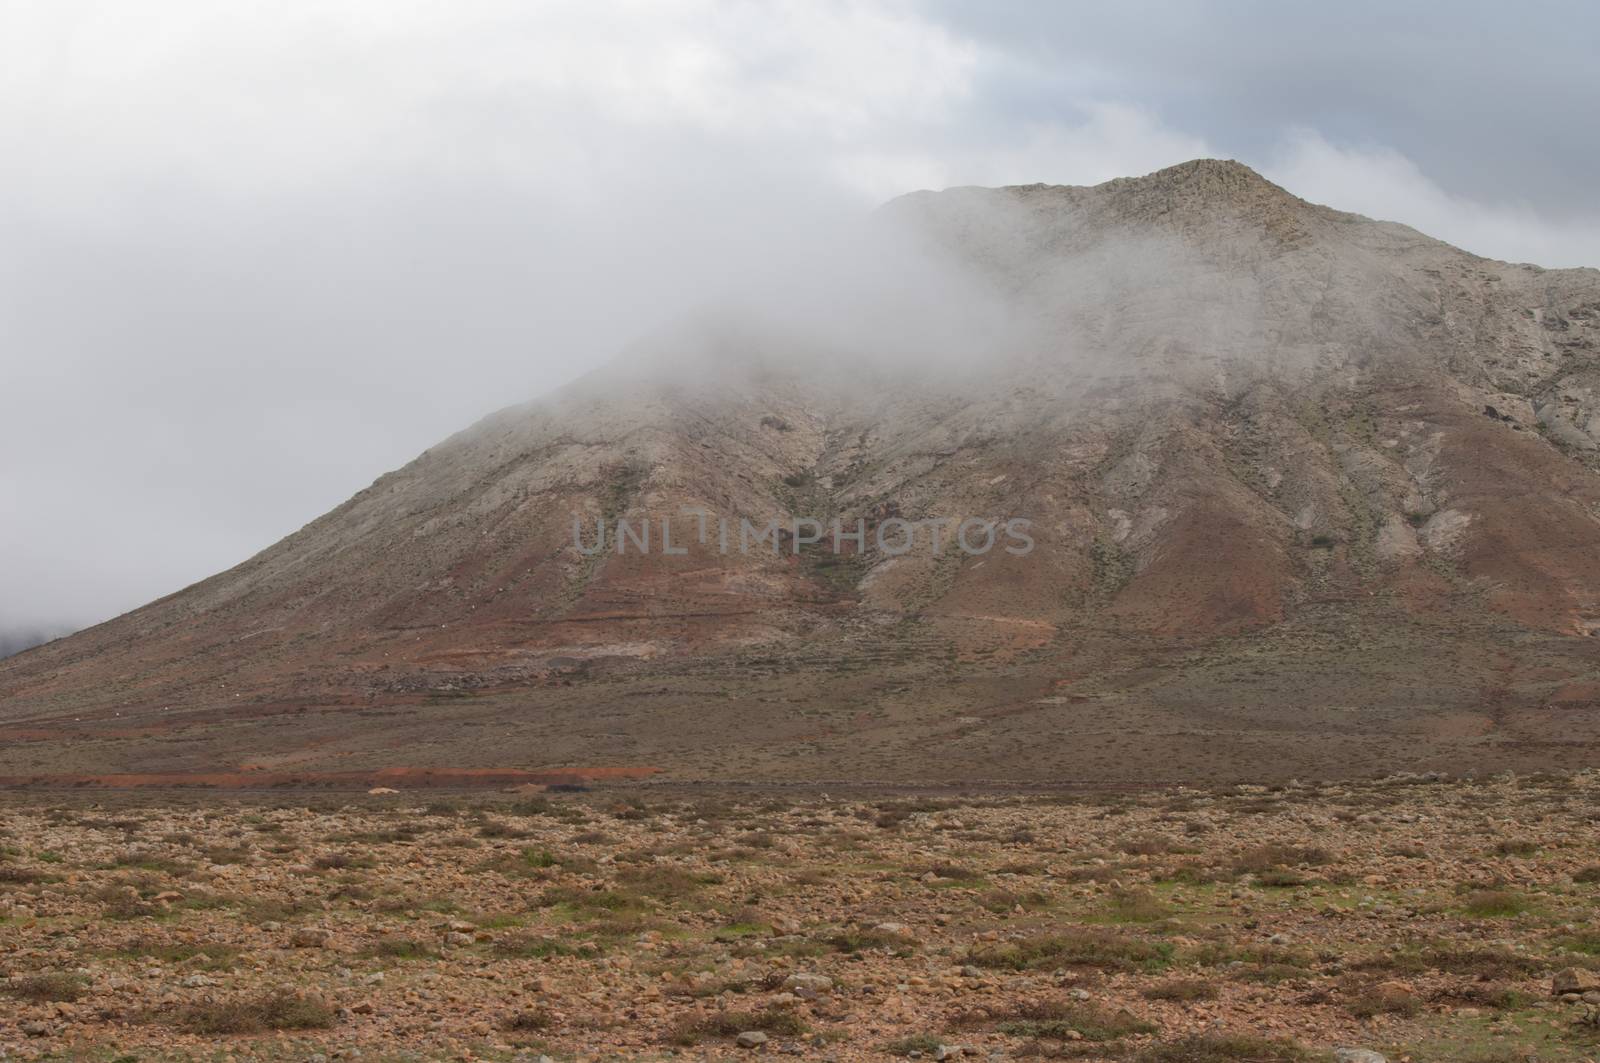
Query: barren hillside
(1309,494)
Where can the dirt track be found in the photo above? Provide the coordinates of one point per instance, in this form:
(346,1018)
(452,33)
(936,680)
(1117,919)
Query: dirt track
(396,778)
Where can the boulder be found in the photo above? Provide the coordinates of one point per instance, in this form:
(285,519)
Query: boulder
(810,983)
(1358,1055)
(1573,980)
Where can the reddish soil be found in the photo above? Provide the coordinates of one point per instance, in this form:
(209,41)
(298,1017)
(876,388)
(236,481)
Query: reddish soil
(396,778)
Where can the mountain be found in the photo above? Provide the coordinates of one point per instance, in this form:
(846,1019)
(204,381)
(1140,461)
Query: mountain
(1308,494)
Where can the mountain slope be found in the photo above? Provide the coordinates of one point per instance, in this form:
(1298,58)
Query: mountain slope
(1309,494)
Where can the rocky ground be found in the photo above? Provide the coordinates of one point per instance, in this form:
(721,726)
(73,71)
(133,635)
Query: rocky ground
(1415,918)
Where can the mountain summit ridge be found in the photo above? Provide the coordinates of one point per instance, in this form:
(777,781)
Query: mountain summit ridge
(1186,195)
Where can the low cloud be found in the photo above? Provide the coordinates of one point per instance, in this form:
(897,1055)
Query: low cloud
(252,256)
(1383,183)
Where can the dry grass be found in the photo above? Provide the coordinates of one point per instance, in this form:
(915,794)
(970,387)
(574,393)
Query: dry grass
(277,1010)
(529,1020)
(1185,990)
(1136,906)
(50,987)
(774,1021)
(1494,904)
(1101,949)
(1061,1021)
(1224,1048)
(401,947)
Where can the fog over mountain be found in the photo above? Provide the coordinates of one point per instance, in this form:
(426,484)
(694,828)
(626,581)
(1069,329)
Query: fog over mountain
(839,530)
(274,252)
(15,640)
(1303,492)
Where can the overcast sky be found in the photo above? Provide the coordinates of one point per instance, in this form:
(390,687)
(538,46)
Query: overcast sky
(252,255)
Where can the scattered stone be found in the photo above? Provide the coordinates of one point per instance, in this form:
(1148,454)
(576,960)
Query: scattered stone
(808,983)
(1358,1055)
(750,1039)
(1573,980)
(1396,995)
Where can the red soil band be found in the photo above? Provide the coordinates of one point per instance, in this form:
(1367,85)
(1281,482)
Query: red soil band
(395,778)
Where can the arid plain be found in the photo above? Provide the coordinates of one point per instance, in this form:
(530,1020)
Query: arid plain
(1419,918)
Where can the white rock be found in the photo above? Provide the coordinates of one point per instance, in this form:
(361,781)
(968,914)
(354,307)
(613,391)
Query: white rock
(815,983)
(1358,1055)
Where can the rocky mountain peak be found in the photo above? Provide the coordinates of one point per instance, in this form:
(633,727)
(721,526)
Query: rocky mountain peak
(1307,492)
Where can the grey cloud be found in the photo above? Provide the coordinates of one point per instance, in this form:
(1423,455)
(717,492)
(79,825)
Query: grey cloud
(1490,99)
(251,258)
